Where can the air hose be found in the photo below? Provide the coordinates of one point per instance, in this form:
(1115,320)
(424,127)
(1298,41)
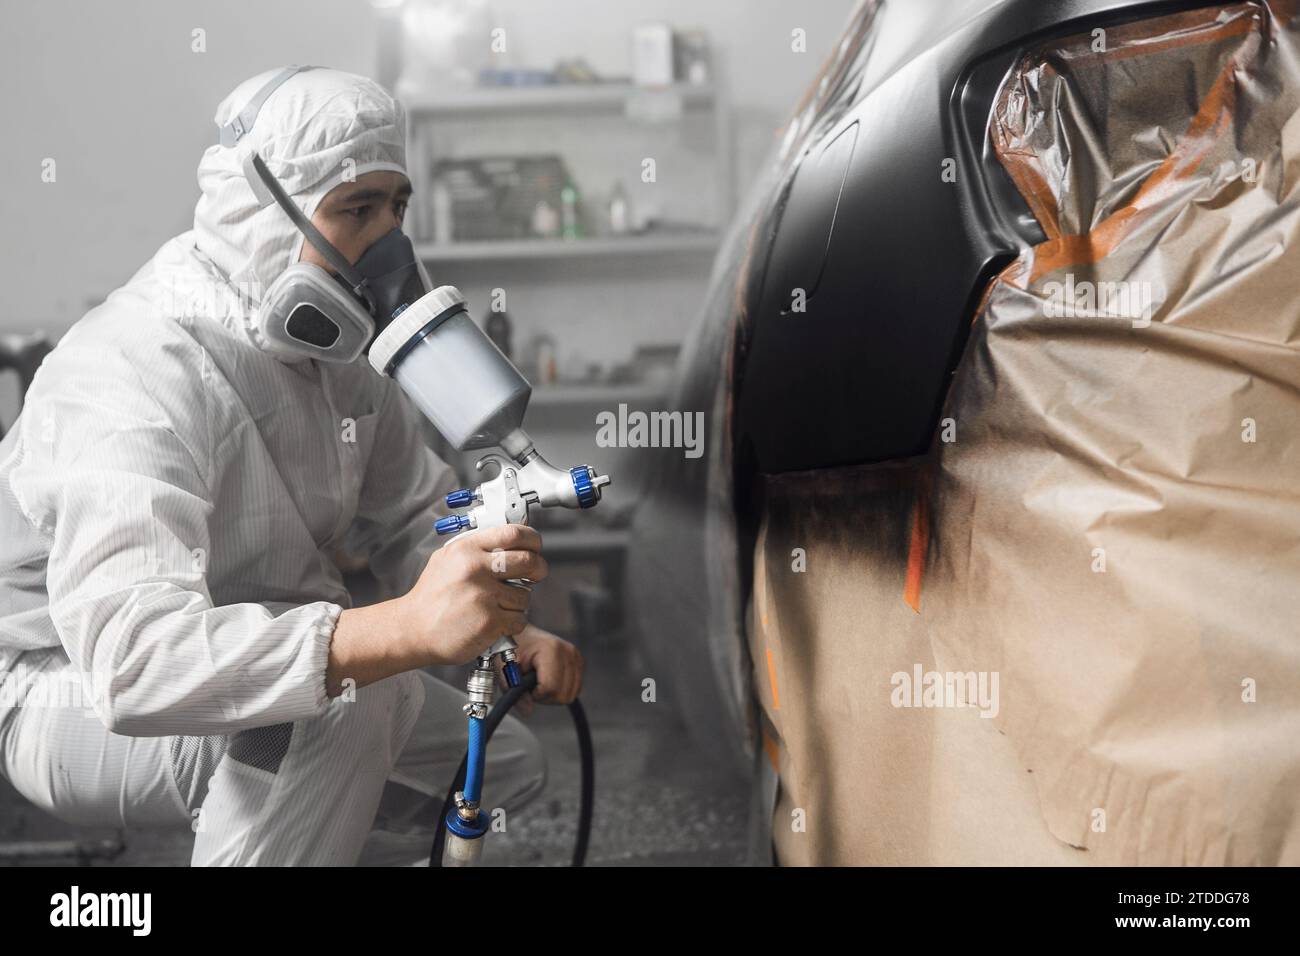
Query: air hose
(586,754)
(475,757)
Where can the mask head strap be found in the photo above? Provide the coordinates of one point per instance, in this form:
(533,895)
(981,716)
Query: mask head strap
(256,173)
(242,122)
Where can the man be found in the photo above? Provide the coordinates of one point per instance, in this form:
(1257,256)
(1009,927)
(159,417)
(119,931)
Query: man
(170,502)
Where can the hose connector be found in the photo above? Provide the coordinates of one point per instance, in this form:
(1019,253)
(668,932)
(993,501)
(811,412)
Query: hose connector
(465,828)
(480,690)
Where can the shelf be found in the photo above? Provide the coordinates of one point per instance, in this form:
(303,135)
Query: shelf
(558,96)
(498,249)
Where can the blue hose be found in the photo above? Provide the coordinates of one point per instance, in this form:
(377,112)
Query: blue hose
(450,822)
(477,756)
(477,749)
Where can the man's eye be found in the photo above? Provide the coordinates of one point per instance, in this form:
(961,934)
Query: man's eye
(359,212)
(401,210)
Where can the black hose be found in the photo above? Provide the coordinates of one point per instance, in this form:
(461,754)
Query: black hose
(586,755)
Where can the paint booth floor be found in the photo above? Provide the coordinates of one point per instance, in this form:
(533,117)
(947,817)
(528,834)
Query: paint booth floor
(649,779)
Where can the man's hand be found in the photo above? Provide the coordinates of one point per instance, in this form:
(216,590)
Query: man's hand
(462,603)
(558,664)
(456,611)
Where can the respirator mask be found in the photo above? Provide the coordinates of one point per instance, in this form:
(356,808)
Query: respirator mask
(334,317)
(308,310)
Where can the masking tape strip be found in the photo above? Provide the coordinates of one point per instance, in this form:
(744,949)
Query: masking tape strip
(919,545)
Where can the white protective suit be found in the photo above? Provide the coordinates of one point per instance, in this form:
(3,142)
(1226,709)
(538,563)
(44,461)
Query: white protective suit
(170,502)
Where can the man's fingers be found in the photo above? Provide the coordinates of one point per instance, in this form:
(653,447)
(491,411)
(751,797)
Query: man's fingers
(538,664)
(575,680)
(509,537)
(570,685)
(512,622)
(517,564)
(558,680)
(512,598)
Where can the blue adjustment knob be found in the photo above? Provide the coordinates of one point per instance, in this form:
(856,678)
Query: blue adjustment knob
(451,524)
(581,476)
(460,499)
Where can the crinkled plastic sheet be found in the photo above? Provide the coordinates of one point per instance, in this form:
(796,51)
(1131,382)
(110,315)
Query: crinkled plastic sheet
(1114,532)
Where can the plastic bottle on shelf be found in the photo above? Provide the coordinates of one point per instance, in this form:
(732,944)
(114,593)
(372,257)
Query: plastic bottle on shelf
(569,211)
(543,359)
(443,230)
(619,220)
(545,221)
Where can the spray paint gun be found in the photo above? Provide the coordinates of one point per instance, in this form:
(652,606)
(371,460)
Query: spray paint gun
(505,499)
(476,398)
